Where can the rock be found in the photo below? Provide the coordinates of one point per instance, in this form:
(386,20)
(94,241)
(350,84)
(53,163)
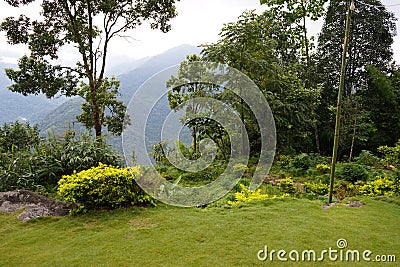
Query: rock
(354,204)
(35,205)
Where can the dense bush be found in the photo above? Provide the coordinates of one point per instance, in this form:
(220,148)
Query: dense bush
(352,172)
(287,186)
(323,168)
(103,186)
(17,136)
(284,160)
(383,186)
(302,161)
(316,188)
(391,154)
(42,161)
(368,159)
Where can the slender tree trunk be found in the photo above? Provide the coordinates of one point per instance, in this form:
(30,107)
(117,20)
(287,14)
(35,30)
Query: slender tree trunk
(96,111)
(194,135)
(316,136)
(306,43)
(243,129)
(354,133)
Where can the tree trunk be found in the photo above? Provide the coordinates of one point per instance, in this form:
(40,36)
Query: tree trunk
(354,133)
(194,135)
(306,43)
(96,112)
(316,135)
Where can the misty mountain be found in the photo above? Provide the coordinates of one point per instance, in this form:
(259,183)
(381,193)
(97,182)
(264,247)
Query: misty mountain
(15,106)
(64,116)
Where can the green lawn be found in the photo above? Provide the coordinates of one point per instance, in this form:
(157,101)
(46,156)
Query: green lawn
(214,236)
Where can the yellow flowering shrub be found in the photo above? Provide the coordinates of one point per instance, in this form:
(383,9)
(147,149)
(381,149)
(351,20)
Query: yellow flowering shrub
(103,186)
(323,168)
(316,188)
(246,195)
(382,186)
(287,186)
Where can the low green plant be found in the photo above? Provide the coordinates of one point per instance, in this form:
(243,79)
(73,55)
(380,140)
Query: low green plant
(40,163)
(368,159)
(302,161)
(323,168)
(246,195)
(103,186)
(284,160)
(316,188)
(287,186)
(391,154)
(352,172)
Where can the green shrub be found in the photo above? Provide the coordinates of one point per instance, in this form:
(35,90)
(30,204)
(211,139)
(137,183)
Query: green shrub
(392,154)
(316,188)
(287,186)
(42,163)
(284,160)
(323,168)
(368,159)
(246,195)
(103,186)
(302,161)
(352,172)
(18,136)
(383,186)
(318,159)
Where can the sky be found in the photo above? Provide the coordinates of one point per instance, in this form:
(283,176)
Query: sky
(198,22)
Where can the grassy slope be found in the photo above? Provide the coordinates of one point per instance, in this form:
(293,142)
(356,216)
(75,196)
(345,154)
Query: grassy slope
(170,236)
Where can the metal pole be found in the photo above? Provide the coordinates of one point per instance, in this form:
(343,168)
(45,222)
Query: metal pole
(339,100)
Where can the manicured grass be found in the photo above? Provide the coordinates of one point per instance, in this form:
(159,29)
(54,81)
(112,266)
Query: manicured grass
(214,236)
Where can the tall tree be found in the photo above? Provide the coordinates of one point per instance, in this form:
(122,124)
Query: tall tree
(88,25)
(370,39)
(187,85)
(292,16)
(250,45)
(297,12)
(382,100)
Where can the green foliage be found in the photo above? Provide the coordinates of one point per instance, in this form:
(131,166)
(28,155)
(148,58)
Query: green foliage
(383,186)
(391,154)
(382,99)
(369,112)
(239,167)
(43,164)
(352,172)
(76,23)
(103,186)
(284,160)
(302,161)
(323,168)
(316,188)
(246,195)
(250,45)
(287,185)
(368,159)
(18,136)
(112,111)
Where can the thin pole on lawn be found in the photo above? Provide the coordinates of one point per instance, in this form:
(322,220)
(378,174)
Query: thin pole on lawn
(339,100)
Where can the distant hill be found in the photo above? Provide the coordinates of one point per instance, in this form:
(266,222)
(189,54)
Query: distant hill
(15,106)
(65,115)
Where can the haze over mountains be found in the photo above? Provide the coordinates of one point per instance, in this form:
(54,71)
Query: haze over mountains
(60,113)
